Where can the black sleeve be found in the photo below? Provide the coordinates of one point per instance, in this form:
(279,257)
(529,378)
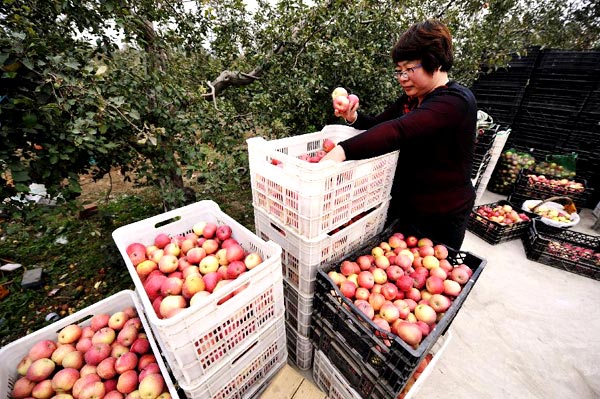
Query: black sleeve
(394,110)
(434,117)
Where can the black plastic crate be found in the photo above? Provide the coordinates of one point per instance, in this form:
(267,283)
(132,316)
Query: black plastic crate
(494,232)
(363,378)
(563,249)
(524,189)
(387,354)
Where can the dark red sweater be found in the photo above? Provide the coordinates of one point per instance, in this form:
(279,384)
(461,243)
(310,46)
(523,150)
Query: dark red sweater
(435,140)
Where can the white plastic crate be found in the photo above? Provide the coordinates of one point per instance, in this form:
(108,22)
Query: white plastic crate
(314,198)
(301,258)
(332,382)
(298,309)
(300,349)
(198,339)
(248,374)
(12,353)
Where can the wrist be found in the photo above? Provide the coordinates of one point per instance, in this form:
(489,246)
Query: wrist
(351,121)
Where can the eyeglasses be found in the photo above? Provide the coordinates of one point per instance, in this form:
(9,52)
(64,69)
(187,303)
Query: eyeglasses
(408,71)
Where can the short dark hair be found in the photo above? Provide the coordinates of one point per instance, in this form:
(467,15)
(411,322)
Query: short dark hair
(429,41)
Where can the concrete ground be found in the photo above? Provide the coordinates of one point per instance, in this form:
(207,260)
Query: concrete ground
(527,330)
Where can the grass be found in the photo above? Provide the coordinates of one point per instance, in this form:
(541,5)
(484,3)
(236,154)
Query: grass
(80,261)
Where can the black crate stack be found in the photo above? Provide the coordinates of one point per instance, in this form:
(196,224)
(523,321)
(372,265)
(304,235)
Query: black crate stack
(554,107)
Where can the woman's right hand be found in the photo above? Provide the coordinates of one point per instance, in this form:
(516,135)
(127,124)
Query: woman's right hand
(349,115)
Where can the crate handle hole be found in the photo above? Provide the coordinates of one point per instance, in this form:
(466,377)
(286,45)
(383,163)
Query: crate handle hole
(168,221)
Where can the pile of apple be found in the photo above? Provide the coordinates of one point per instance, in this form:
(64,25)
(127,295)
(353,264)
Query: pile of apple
(405,285)
(178,271)
(328,145)
(553,169)
(502,214)
(507,171)
(111,358)
(558,215)
(557,186)
(413,378)
(573,252)
(342,101)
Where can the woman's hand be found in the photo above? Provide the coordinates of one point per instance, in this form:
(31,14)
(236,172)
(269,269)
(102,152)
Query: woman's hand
(349,115)
(337,154)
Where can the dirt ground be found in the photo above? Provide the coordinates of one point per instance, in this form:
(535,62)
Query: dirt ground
(106,188)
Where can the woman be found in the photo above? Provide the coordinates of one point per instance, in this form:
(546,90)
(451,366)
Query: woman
(433,125)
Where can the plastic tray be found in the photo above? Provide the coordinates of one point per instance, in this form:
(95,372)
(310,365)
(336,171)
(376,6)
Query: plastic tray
(494,232)
(557,248)
(301,258)
(298,309)
(198,339)
(393,363)
(524,190)
(248,374)
(300,349)
(12,353)
(333,382)
(314,198)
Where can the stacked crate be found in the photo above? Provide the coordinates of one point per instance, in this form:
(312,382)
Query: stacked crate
(231,342)
(316,212)
(377,364)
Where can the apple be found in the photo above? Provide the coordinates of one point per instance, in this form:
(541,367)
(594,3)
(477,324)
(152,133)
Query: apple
(382,262)
(425,250)
(127,382)
(252,260)
(22,388)
(406,252)
(411,241)
(440,303)
(339,91)
(377,251)
(366,279)
(459,275)
(403,308)
(447,266)
(42,349)
(152,285)
(191,271)
(145,267)
(140,346)
(127,361)
(223,232)
(413,294)
(161,240)
(425,313)
(168,263)
(335,277)
(106,368)
(380,276)
(104,335)
(405,283)
(157,255)
(75,359)
(92,390)
(348,267)
(440,251)
(376,300)
(434,285)
(438,272)
(419,279)
(424,327)
(348,289)
(211,246)
(97,353)
(40,369)
(151,386)
(171,305)
(136,252)
(394,272)
(43,390)
(210,281)
(365,307)
(192,285)
(364,262)
(208,264)
(430,261)
(452,288)
(195,255)
(328,145)
(171,286)
(69,334)
(409,333)
(23,365)
(128,335)
(389,312)
(235,269)
(389,291)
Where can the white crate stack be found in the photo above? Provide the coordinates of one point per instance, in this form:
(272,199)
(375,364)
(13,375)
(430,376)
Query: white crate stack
(316,212)
(218,348)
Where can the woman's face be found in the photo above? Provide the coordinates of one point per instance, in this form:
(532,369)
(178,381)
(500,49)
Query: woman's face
(415,81)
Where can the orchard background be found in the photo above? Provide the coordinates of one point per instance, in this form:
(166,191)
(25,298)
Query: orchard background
(166,92)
